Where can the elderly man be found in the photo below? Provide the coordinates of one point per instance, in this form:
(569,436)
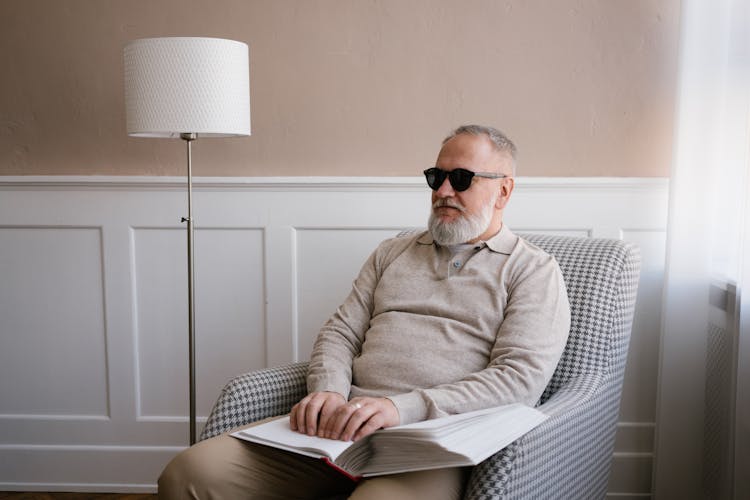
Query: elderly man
(461,317)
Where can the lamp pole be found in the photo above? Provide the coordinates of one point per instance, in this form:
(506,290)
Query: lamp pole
(189,138)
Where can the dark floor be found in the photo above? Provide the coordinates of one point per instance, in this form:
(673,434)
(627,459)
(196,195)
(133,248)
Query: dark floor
(8,495)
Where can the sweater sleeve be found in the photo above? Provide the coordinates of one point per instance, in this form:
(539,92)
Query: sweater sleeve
(340,339)
(528,345)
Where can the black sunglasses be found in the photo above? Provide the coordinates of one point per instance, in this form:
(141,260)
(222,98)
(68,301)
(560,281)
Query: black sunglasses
(460,178)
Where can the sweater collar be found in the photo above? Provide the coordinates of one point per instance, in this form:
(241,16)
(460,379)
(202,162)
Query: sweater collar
(503,242)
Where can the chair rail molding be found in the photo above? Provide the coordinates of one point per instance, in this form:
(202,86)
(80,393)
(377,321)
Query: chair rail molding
(93,365)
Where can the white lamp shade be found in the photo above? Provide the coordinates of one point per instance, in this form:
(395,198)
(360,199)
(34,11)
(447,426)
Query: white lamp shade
(187,85)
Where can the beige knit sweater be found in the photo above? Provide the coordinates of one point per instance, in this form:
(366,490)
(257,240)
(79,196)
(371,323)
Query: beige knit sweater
(439,332)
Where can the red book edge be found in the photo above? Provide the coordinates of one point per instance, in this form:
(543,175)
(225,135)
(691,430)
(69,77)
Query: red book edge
(341,471)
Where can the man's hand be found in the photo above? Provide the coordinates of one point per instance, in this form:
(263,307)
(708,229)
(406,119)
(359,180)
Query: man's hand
(313,412)
(360,417)
(328,415)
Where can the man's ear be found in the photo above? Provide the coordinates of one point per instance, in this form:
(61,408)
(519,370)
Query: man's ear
(506,189)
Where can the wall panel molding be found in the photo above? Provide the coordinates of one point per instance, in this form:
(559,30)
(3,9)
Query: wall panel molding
(61,266)
(274,257)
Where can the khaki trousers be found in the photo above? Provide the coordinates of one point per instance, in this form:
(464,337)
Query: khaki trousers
(227,468)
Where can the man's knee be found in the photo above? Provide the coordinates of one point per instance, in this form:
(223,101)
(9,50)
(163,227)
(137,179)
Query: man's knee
(174,481)
(190,473)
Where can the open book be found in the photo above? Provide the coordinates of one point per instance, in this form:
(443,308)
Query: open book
(453,441)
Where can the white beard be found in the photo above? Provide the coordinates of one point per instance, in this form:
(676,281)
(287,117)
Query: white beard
(463,229)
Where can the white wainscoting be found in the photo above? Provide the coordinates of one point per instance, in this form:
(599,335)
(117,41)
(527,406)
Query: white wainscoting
(93,315)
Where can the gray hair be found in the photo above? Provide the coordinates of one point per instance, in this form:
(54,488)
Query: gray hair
(501,142)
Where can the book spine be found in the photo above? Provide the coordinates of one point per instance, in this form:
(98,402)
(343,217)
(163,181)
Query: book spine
(341,471)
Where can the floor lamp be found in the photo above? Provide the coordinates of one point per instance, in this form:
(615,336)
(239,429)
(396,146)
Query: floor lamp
(187,88)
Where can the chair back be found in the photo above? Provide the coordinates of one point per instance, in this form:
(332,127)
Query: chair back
(601,277)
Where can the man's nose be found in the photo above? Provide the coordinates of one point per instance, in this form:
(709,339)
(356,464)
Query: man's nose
(445,190)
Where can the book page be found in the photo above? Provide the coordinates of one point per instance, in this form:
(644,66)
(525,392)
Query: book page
(455,440)
(278,434)
(452,422)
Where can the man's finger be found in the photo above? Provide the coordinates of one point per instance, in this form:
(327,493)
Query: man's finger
(374,423)
(340,419)
(325,415)
(357,419)
(312,411)
(298,414)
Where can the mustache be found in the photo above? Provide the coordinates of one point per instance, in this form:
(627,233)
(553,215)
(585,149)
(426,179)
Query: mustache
(446,202)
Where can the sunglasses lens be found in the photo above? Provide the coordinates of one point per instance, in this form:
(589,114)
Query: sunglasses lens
(461,179)
(435,177)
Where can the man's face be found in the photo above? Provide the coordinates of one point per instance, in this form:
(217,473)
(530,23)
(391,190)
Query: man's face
(475,213)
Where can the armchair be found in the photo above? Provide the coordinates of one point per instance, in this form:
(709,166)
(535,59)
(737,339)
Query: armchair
(569,455)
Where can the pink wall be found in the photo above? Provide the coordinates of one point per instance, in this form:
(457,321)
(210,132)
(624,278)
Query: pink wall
(352,87)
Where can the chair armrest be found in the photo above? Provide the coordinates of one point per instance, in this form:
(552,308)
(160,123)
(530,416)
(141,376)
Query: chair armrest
(571,395)
(256,395)
(561,458)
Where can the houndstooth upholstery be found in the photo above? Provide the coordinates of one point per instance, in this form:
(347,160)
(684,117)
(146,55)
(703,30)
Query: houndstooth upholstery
(255,396)
(569,455)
